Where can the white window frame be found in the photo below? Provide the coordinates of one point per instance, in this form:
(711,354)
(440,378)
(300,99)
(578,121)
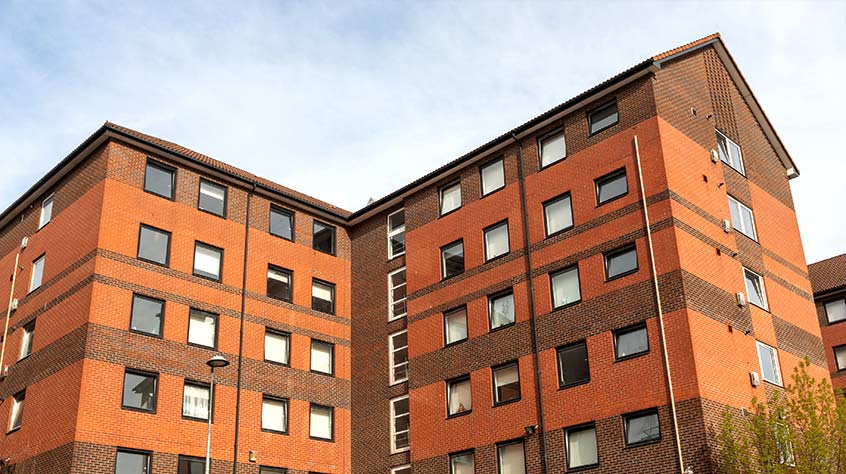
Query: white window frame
(766,304)
(391,302)
(16,414)
(37,263)
(391,362)
(395,470)
(27,340)
(742,169)
(394,432)
(774,352)
(393,232)
(742,225)
(41,219)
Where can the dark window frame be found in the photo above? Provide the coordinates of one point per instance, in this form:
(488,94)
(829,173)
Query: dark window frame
(627,330)
(162,167)
(216,328)
(627,416)
(331,345)
(331,291)
(545,137)
(444,276)
(141,373)
(441,197)
(43,259)
(825,310)
(219,278)
(609,103)
(553,200)
(620,251)
(470,451)
(389,234)
(609,177)
(331,438)
(554,274)
(167,252)
(192,459)
(499,159)
(198,384)
(558,350)
(19,394)
(132,312)
(272,470)
(447,384)
(449,312)
(485,239)
(334,249)
(576,428)
(264,346)
(283,211)
(287,402)
(491,298)
(141,452)
(28,327)
(515,363)
(225,197)
(290,274)
(834,351)
(508,443)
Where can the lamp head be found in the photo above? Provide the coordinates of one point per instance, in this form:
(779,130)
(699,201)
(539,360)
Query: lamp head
(217,361)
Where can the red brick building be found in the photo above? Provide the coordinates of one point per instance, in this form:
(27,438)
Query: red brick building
(499,315)
(828,278)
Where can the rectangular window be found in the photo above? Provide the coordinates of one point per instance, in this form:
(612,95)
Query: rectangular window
(835,311)
(16,417)
(195,401)
(274,414)
(840,357)
(322,354)
(189,465)
(396,294)
(459,399)
(768,358)
(564,285)
(755,291)
(281,223)
(455,326)
(154,245)
(398,347)
(322,296)
(140,390)
(277,347)
(496,240)
(26,340)
(212,198)
(208,261)
(396,234)
(742,219)
(159,179)
(506,383)
(323,238)
(573,367)
(729,152)
(462,463)
(202,328)
(510,458)
(631,342)
(553,148)
(603,117)
(46,211)
(37,273)
(450,197)
(611,187)
(147,315)
(321,422)
(452,259)
(620,262)
(279,283)
(399,424)
(401,469)
(581,447)
(492,176)
(501,309)
(642,428)
(558,214)
(132,462)
(272,470)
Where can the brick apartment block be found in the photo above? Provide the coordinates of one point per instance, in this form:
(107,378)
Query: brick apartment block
(828,278)
(498,315)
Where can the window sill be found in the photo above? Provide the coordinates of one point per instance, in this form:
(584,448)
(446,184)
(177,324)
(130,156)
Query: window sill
(621,275)
(397,382)
(13,430)
(209,278)
(542,166)
(582,468)
(268,430)
(325,374)
(281,237)
(597,132)
(459,414)
(507,402)
(643,443)
(153,262)
(325,440)
(138,410)
(566,305)
(753,239)
(444,214)
(759,306)
(147,334)
(504,326)
(222,216)
(484,195)
(615,198)
(200,420)
(392,257)
(201,346)
(631,356)
(559,232)
(445,278)
(280,364)
(454,343)
(169,198)
(401,450)
(24,357)
(574,384)
(498,257)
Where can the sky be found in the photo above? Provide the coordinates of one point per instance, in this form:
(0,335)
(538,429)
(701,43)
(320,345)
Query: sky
(348,100)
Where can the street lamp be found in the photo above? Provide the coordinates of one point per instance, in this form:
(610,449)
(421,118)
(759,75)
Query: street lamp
(218,361)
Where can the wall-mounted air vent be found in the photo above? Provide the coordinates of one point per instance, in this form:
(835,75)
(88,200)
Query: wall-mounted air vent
(715,157)
(726,226)
(754,379)
(14,305)
(24,242)
(741,299)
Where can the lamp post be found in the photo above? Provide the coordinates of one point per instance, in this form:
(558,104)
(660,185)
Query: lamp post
(217,361)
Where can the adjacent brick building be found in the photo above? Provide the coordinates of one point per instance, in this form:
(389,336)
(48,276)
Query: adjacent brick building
(828,278)
(500,314)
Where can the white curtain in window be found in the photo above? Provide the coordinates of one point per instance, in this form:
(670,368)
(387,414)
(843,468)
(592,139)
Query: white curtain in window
(276,347)
(212,191)
(46,211)
(320,422)
(581,450)
(511,459)
(450,198)
(496,241)
(463,464)
(565,287)
(37,273)
(321,357)
(456,326)
(201,329)
(633,342)
(207,261)
(460,399)
(553,149)
(835,310)
(278,276)
(493,177)
(274,415)
(502,311)
(195,402)
(559,215)
(840,357)
(321,292)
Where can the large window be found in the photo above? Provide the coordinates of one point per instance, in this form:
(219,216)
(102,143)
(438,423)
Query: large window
(399,424)
(493,176)
(190,465)
(459,399)
(840,357)
(455,325)
(140,390)
(631,342)
(835,310)
(496,240)
(277,347)
(279,283)
(274,414)
(208,261)
(742,219)
(202,328)
(281,223)
(37,273)
(159,179)
(321,422)
(564,286)
(755,290)
(573,367)
(506,383)
(642,428)
(729,152)
(611,187)
(501,309)
(768,358)
(26,340)
(581,446)
(396,294)
(450,197)
(603,117)
(462,463)
(510,458)
(452,259)
(323,238)
(553,148)
(396,234)
(398,347)
(212,198)
(154,245)
(46,211)
(147,315)
(620,262)
(322,296)
(132,462)
(322,354)
(16,417)
(558,214)
(195,401)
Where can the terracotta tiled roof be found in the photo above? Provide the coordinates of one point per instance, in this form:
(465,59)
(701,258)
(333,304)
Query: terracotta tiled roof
(828,274)
(207,160)
(686,46)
